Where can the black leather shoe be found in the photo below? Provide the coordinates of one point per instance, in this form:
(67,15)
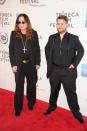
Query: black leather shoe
(80,119)
(49,110)
(17,113)
(30,108)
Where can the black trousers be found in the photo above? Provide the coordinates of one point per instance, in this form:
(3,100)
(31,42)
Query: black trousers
(29,71)
(66,77)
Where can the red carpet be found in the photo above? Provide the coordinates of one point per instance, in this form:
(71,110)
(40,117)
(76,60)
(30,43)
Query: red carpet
(59,120)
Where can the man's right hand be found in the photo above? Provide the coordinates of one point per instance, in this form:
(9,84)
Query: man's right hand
(14,69)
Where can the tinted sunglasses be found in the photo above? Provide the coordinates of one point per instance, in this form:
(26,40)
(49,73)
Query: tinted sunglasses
(21,22)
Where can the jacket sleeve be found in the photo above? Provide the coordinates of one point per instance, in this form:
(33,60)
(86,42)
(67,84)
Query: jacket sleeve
(12,49)
(79,52)
(47,50)
(38,56)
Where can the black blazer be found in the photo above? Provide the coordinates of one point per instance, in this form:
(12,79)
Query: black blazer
(15,49)
(75,51)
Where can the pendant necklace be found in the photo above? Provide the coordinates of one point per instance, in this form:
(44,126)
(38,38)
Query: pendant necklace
(24,45)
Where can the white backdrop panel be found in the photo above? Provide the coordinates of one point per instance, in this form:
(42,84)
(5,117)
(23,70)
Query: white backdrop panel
(43,14)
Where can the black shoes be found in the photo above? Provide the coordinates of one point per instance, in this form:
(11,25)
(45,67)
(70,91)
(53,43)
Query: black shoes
(49,110)
(17,113)
(30,108)
(79,117)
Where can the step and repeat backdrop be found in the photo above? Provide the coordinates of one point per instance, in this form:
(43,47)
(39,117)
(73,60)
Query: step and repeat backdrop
(43,14)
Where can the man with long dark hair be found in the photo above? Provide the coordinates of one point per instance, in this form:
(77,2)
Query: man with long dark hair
(63,53)
(24,52)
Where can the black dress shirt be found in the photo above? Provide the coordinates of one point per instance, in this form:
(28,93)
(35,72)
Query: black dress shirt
(60,51)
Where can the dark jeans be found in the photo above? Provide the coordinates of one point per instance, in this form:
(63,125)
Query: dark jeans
(27,70)
(67,77)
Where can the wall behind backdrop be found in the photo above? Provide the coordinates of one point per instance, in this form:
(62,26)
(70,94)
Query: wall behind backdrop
(43,14)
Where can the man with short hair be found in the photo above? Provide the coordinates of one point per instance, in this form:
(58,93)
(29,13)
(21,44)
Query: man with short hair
(63,54)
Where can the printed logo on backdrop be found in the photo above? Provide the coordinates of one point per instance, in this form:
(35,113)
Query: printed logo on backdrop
(4,56)
(84,70)
(32,2)
(2,2)
(86,21)
(3,38)
(17,15)
(70,15)
(5,18)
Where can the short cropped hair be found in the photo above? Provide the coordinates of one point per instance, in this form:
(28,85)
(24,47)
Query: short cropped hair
(62,17)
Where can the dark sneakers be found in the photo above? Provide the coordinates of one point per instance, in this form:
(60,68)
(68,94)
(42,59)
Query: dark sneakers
(49,110)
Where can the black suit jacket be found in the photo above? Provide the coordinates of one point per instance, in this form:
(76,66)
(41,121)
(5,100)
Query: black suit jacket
(15,50)
(75,51)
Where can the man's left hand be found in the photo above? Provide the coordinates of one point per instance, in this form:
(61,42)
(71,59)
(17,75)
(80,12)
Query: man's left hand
(71,66)
(37,67)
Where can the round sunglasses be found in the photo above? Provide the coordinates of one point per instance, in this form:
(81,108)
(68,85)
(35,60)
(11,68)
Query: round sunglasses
(21,22)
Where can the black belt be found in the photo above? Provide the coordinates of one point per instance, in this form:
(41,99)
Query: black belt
(25,61)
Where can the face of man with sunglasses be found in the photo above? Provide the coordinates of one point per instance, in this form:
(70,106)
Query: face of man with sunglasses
(22,24)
